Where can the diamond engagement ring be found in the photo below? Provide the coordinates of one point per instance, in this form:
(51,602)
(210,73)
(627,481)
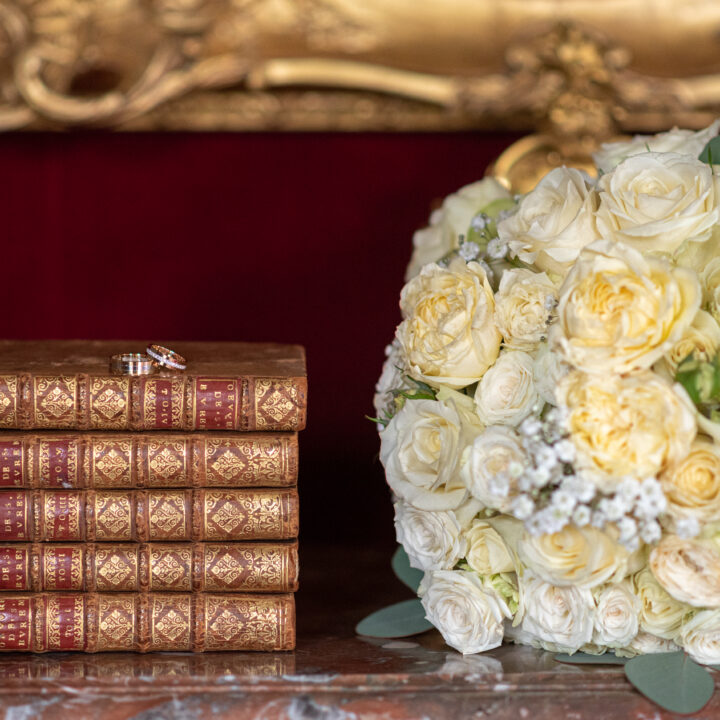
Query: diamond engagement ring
(166,358)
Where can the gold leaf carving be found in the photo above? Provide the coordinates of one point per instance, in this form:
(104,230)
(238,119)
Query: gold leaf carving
(172,625)
(57,402)
(167,570)
(113,569)
(227,465)
(166,463)
(112,464)
(113,515)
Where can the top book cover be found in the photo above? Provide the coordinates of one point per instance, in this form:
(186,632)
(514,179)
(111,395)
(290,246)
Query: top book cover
(68,384)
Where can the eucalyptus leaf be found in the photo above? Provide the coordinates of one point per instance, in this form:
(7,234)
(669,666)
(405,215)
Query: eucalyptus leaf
(671,680)
(395,621)
(410,576)
(711,152)
(587,659)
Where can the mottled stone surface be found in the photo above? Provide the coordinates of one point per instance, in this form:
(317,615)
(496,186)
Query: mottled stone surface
(332,675)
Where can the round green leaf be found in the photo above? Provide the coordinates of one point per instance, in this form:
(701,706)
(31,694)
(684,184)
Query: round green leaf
(406,574)
(671,680)
(400,620)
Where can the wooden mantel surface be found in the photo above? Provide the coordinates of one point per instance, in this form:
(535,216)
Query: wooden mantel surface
(332,675)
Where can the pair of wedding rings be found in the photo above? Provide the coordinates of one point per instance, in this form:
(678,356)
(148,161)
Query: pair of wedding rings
(155,357)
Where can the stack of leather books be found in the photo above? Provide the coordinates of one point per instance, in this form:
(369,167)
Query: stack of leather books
(149,512)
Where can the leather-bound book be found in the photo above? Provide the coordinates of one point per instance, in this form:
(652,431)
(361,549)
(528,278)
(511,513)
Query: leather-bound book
(146,622)
(154,567)
(213,515)
(57,459)
(226,386)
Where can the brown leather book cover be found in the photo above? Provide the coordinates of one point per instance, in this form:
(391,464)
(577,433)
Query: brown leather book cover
(56,459)
(154,567)
(214,515)
(67,384)
(146,622)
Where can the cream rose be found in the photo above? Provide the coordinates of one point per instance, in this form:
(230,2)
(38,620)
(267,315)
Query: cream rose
(507,393)
(523,305)
(660,614)
(688,570)
(468,614)
(487,467)
(644,643)
(711,287)
(556,618)
(553,222)
(579,557)
(636,425)
(487,552)
(548,370)
(702,339)
(452,220)
(619,311)
(654,202)
(692,485)
(419,450)
(700,637)
(449,336)
(616,615)
(432,540)
(685,142)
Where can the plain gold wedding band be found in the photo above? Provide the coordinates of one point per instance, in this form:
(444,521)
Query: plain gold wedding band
(131,364)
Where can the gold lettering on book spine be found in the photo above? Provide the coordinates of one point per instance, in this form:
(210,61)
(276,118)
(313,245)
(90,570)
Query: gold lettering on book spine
(113,516)
(109,403)
(171,622)
(167,462)
(8,400)
(236,623)
(244,461)
(47,456)
(117,617)
(55,564)
(170,568)
(276,404)
(111,463)
(116,568)
(63,635)
(55,401)
(168,404)
(168,515)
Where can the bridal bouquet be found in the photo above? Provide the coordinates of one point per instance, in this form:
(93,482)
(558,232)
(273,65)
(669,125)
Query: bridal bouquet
(549,409)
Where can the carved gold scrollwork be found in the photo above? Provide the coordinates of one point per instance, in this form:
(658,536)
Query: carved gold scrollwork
(344,64)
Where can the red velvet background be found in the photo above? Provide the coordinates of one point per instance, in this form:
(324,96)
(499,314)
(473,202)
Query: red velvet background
(289,238)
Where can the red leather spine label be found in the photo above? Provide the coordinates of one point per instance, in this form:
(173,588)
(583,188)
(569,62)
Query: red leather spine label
(14,515)
(163,403)
(58,569)
(66,622)
(11,463)
(15,623)
(216,404)
(58,474)
(14,568)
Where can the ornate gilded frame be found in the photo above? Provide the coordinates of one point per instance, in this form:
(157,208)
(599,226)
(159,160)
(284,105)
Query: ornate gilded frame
(573,67)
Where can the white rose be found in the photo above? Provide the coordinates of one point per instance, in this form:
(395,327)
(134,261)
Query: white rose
(507,393)
(700,637)
(391,378)
(432,540)
(579,557)
(616,615)
(660,614)
(452,220)
(548,370)
(420,450)
(633,425)
(487,464)
(710,278)
(644,643)
(684,142)
(692,485)
(654,202)
(554,221)
(702,339)
(523,306)
(556,618)
(619,311)
(449,335)
(688,570)
(468,614)
(487,552)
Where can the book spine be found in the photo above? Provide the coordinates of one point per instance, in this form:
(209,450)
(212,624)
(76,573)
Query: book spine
(154,567)
(148,515)
(116,460)
(152,402)
(137,622)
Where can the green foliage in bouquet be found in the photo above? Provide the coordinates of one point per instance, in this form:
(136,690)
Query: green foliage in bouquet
(701,380)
